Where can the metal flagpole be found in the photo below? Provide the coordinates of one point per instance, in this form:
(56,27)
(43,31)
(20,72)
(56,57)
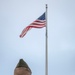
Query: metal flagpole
(46,58)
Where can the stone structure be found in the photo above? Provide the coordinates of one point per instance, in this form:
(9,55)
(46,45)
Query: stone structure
(22,68)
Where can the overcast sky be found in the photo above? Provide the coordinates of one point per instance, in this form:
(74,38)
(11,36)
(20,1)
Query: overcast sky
(15,15)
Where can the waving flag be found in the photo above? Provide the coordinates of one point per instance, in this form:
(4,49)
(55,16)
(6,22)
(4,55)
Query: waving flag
(38,23)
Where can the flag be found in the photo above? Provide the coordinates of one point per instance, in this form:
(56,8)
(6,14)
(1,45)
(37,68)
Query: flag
(38,23)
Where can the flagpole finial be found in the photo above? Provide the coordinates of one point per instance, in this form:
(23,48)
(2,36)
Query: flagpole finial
(46,6)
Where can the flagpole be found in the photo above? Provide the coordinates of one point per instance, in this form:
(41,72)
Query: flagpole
(46,58)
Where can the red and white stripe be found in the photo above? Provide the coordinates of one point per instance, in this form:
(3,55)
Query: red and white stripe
(35,24)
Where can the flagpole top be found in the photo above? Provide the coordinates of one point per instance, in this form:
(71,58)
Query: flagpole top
(46,6)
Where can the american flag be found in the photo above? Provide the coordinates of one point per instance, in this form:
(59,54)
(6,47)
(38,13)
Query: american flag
(38,23)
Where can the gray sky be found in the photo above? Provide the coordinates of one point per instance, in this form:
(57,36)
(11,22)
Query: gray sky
(15,15)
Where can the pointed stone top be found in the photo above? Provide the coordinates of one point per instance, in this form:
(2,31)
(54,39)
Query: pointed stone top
(22,66)
(22,63)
